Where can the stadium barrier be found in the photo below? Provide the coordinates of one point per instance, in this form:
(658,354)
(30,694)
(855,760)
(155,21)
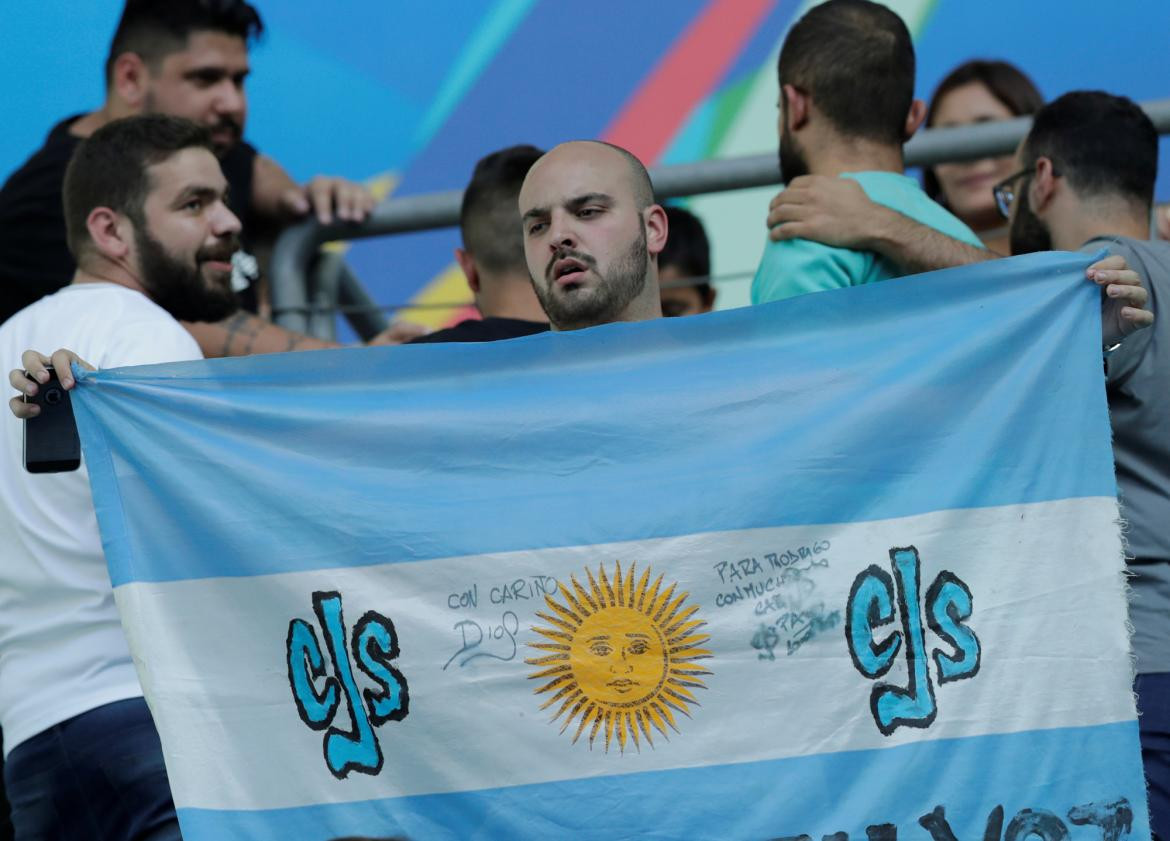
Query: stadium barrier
(309,287)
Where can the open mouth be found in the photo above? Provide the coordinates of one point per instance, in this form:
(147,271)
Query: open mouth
(217,261)
(569,272)
(222,266)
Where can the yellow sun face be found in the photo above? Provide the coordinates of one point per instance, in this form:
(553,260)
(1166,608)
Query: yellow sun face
(620,658)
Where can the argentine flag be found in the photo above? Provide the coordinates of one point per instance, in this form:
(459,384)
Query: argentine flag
(848,563)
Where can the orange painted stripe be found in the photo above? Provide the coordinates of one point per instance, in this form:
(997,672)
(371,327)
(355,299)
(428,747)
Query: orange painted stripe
(685,76)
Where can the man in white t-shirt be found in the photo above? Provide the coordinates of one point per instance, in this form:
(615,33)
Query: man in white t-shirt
(152,236)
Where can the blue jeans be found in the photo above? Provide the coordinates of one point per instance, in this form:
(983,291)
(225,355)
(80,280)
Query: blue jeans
(1153,700)
(99,775)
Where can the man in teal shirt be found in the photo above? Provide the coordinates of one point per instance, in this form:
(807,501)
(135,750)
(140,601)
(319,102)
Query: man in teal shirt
(846,107)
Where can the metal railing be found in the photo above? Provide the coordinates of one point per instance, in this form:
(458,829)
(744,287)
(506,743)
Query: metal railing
(305,297)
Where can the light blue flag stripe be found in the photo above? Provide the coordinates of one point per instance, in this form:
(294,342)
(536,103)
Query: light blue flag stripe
(734,420)
(838,792)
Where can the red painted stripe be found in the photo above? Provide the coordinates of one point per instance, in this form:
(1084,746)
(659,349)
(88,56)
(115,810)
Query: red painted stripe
(686,74)
(462,314)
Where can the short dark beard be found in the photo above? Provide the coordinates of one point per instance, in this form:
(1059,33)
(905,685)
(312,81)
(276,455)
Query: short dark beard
(150,106)
(1028,233)
(606,301)
(181,289)
(792,162)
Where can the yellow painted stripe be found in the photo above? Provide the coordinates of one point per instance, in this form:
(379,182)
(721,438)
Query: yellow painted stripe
(449,285)
(380,186)
(446,287)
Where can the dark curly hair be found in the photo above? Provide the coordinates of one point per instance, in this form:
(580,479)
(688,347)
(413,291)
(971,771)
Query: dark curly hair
(154,29)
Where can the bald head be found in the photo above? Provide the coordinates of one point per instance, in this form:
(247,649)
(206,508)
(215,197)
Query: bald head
(592,234)
(601,155)
(639,177)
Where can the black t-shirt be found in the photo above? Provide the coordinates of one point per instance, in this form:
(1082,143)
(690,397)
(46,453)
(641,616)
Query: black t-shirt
(483,330)
(34,259)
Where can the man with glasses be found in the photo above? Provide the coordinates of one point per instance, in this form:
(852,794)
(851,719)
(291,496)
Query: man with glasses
(1005,191)
(1085,182)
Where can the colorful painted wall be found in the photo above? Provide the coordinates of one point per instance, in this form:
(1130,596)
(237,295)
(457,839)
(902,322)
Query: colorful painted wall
(408,95)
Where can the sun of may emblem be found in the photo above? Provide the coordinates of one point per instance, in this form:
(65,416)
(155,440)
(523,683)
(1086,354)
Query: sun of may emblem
(620,657)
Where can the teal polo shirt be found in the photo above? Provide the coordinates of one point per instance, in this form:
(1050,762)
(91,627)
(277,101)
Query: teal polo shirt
(798,266)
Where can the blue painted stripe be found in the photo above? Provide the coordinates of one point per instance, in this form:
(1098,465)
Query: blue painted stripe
(540,88)
(319,77)
(1055,770)
(423,39)
(491,34)
(877,402)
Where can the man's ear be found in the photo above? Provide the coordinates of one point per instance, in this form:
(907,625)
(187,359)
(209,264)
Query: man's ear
(796,107)
(914,119)
(1042,185)
(466,263)
(110,232)
(130,80)
(656,228)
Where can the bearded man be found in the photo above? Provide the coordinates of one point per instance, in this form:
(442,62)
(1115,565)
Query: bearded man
(592,235)
(148,226)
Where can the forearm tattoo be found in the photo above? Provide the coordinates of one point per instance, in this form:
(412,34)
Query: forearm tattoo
(245,327)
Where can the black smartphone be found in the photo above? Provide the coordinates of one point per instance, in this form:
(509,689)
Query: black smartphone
(51,444)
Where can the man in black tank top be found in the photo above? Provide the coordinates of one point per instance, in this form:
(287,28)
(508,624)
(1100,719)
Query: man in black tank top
(185,58)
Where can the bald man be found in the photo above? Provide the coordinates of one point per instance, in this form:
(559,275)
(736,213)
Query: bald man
(592,236)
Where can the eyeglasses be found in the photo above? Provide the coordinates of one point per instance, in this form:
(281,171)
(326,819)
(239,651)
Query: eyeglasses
(1005,191)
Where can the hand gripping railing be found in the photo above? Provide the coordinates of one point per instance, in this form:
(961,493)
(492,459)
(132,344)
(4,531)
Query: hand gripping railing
(307,303)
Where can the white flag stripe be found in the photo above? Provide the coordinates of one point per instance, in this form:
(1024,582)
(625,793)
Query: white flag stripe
(1071,547)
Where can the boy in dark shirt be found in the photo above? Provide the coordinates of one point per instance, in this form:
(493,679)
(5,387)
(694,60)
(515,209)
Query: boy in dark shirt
(492,256)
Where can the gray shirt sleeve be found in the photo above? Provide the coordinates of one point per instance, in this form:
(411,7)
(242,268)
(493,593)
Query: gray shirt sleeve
(1120,364)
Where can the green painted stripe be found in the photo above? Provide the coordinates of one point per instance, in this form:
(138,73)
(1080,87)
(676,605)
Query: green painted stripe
(735,222)
(753,129)
(728,104)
